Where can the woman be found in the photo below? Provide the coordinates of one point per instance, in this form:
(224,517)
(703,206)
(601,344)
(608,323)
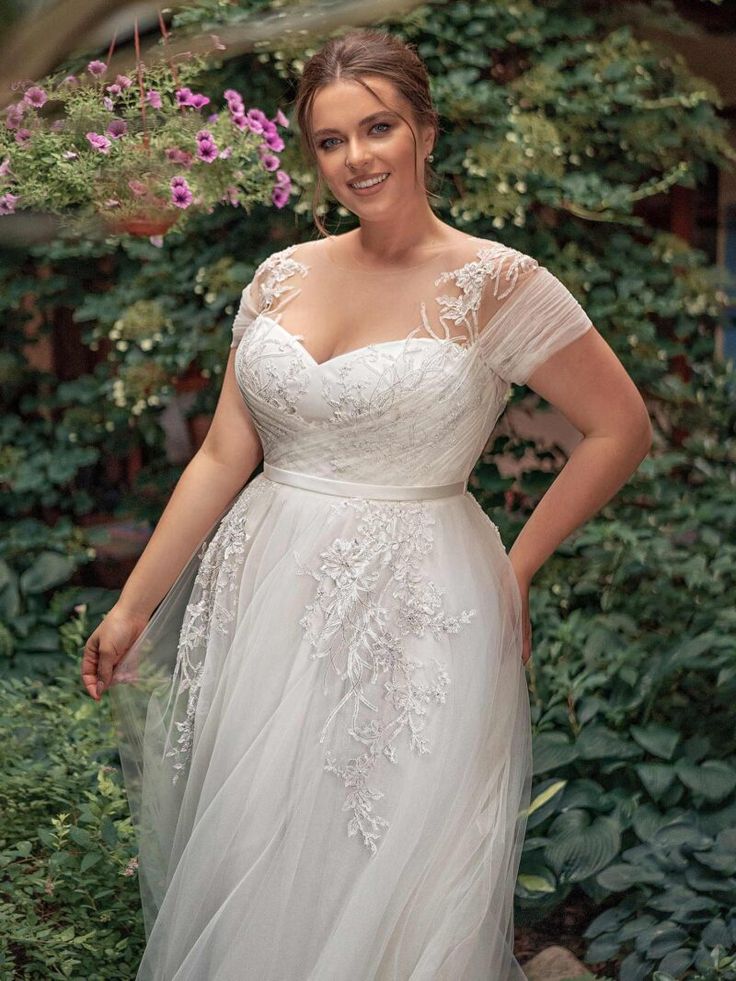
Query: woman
(325,724)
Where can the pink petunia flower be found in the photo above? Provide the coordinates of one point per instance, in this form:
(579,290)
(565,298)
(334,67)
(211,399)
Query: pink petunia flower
(153,97)
(178,181)
(7,203)
(280,119)
(270,161)
(108,103)
(240,120)
(234,100)
(183,96)
(227,152)
(99,142)
(14,115)
(113,89)
(279,196)
(283,178)
(274,142)
(204,134)
(199,101)
(255,125)
(207,151)
(5,167)
(70,80)
(22,135)
(123,81)
(117,128)
(181,196)
(35,96)
(137,187)
(97,68)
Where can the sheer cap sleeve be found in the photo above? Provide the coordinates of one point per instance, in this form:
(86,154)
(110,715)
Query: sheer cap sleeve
(249,307)
(538,317)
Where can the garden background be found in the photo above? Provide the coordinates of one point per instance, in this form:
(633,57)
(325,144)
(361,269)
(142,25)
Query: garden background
(568,133)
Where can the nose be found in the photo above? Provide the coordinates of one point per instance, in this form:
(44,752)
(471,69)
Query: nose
(355,155)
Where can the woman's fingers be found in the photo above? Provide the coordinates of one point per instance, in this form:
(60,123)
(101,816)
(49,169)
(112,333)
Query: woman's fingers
(90,658)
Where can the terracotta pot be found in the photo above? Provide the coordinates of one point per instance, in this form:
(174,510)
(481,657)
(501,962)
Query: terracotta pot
(143,225)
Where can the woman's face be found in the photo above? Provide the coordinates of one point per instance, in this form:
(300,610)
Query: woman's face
(356,137)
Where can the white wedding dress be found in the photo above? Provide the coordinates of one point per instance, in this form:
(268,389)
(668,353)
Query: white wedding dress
(324,728)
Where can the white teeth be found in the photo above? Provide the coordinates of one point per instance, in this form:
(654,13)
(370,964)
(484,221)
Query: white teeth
(370,183)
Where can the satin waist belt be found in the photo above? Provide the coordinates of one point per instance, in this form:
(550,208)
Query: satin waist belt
(349,488)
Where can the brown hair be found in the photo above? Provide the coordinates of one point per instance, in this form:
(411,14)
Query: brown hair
(350,56)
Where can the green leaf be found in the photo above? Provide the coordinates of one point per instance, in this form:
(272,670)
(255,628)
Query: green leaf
(713,779)
(620,877)
(656,777)
(659,740)
(551,750)
(535,883)
(542,798)
(580,850)
(50,569)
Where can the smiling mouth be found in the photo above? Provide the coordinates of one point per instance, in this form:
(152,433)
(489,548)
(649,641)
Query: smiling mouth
(368,181)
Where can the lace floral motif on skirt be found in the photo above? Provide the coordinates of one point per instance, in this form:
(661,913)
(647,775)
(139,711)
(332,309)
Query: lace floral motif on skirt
(371,595)
(212,608)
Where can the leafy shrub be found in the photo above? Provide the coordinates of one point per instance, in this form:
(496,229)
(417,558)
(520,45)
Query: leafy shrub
(69,903)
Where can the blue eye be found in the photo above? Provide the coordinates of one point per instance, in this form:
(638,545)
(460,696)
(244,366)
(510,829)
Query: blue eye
(324,143)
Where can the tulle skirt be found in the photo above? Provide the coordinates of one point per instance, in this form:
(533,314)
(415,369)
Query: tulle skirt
(325,737)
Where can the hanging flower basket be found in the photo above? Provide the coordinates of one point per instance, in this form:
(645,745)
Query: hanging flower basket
(140,154)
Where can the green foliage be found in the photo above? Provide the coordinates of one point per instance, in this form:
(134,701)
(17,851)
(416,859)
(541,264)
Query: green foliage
(556,124)
(69,902)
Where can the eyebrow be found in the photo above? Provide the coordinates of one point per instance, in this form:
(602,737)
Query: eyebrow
(365,119)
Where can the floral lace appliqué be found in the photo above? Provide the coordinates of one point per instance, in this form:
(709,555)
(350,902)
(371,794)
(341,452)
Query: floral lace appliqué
(211,608)
(470,279)
(371,596)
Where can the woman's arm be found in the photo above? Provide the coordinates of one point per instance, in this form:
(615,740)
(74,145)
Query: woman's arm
(589,385)
(228,456)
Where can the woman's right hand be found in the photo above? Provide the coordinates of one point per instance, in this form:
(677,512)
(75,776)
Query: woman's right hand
(107,646)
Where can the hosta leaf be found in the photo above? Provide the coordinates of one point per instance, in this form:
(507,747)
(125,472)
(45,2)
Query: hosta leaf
(717,933)
(661,939)
(619,877)
(678,834)
(542,798)
(656,739)
(709,884)
(609,919)
(551,750)
(647,820)
(602,949)
(656,777)
(677,961)
(633,968)
(581,853)
(598,742)
(535,883)
(713,779)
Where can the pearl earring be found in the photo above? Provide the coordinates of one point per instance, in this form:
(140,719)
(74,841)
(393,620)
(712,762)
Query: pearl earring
(430,157)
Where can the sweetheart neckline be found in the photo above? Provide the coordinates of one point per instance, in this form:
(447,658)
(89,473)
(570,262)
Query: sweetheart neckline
(297,338)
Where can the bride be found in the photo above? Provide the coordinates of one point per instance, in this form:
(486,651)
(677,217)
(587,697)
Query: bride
(317,670)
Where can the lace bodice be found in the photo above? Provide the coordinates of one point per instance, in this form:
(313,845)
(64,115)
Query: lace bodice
(421,400)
